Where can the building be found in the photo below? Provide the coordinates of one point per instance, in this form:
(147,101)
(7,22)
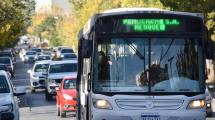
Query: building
(46,5)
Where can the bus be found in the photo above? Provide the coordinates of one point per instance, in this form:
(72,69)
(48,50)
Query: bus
(142,64)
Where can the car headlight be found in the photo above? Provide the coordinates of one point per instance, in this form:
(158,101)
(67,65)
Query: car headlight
(10,107)
(67,97)
(35,77)
(102,104)
(208,98)
(62,56)
(26,57)
(196,104)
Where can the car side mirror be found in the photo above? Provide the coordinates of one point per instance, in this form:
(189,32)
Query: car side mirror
(29,71)
(7,116)
(19,91)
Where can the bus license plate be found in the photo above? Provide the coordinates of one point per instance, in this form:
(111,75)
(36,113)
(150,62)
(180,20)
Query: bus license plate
(150,117)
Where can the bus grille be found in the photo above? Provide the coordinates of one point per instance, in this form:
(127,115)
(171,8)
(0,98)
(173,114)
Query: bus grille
(158,104)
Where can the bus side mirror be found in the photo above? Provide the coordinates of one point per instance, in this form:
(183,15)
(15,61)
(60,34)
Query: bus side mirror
(210,50)
(87,47)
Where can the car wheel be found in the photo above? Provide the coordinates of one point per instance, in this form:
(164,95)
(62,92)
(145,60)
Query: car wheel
(48,96)
(62,114)
(33,90)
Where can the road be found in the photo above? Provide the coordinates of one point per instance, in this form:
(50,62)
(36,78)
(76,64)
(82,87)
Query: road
(33,106)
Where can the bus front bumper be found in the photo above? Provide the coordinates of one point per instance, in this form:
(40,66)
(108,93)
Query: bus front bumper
(142,115)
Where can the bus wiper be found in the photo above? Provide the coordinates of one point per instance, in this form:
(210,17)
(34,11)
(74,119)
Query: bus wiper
(134,48)
(163,55)
(184,89)
(159,90)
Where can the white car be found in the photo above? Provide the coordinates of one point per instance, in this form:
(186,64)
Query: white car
(56,72)
(29,56)
(37,79)
(8,93)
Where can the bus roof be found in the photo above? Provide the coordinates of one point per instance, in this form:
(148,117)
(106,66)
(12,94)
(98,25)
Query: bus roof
(123,11)
(119,11)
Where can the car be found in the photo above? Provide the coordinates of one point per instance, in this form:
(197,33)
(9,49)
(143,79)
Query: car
(42,57)
(9,54)
(66,96)
(5,115)
(5,68)
(29,56)
(56,72)
(8,62)
(67,56)
(8,93)
(37,79)
(38,50)
(62,50)
(208,100)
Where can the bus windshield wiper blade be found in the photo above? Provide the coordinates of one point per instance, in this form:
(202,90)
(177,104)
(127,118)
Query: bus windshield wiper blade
(135,49)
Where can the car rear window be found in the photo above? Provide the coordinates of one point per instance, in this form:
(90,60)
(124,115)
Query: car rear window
(67,51)
(5,60)
(4,88)
(67,67)
(69,84)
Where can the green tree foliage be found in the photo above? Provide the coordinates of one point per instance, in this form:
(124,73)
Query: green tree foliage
(14,19)
(49,29)
(203,6)
(84,9)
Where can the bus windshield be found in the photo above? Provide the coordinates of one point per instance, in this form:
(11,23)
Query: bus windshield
(148,65)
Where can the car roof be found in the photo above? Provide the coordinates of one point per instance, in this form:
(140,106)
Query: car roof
(43,62)
(62,62)
(5,58)
(69,77)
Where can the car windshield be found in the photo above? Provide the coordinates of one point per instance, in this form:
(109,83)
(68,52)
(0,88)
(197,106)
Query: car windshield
(148,65)
(67,51)
(69,84)
(4,54)
(41,68)
(65,67)
(5,60)
(69,56)
(44,58)
(3,67)
(36,50)
(31,53)
(4,88)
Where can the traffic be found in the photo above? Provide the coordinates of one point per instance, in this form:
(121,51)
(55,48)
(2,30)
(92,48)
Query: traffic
(131,64)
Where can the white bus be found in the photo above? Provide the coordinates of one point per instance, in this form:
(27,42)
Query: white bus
(142,64)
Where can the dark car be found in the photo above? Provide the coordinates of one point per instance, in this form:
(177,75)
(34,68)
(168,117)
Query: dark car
(8,54)
(8,62)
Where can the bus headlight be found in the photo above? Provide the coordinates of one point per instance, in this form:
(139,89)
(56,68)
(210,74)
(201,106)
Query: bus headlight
(195,104)
(102,104)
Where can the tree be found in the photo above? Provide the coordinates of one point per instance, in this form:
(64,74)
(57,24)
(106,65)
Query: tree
(203,6)
(13,20)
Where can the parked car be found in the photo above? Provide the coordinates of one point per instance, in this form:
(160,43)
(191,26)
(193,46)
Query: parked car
(8,62)
(208,102)
(5,115)
(8,93)
(68,56)
(5,68)
(8,54)
(29,56)
(56,72)
(37,79)
(66,96)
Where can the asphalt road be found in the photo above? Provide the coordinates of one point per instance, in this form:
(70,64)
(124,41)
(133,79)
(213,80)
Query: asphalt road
(33,106)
